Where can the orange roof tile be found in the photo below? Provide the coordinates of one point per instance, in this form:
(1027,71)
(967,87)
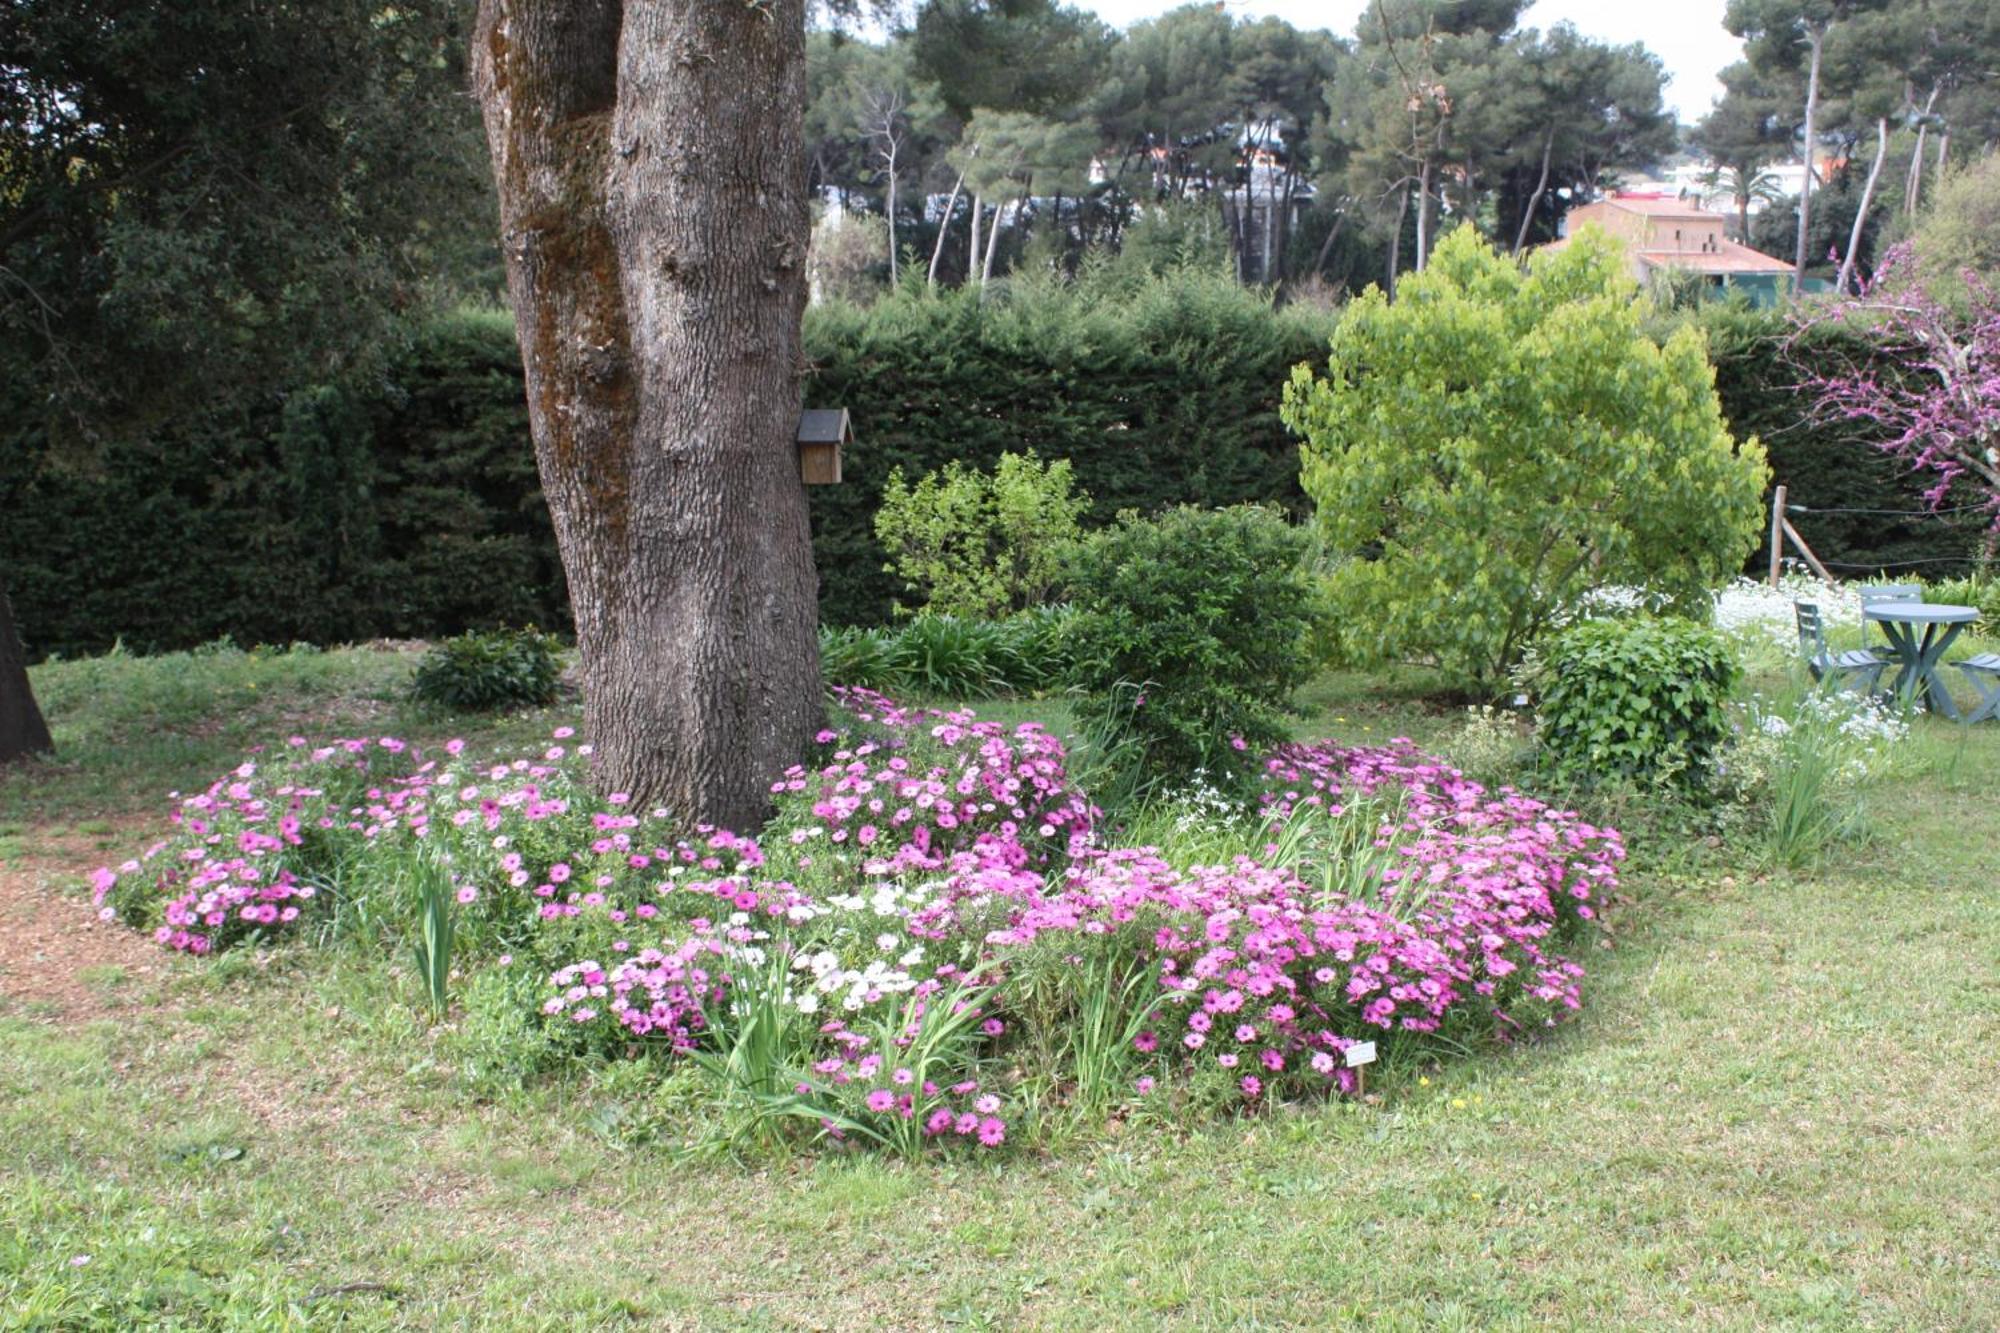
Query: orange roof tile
(1730,257)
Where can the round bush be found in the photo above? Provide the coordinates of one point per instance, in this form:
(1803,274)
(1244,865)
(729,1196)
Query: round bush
(481,672)
(1636,698)
(1190,634)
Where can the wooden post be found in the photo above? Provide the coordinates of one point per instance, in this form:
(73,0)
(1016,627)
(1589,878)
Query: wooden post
(1777,532)
(1811,560)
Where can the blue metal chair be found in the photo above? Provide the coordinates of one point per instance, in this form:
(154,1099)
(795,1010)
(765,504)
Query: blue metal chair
(1984,673)
(1885,592)
(1857,666)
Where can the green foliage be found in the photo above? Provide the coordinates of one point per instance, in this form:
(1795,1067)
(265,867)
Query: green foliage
(1496,443)
(1638,698)
(430,950)
(980,544)
(1191,631)
(201,200)
(945,656)
(1982,591)
(482,672)
(1960,230)
(1155,390)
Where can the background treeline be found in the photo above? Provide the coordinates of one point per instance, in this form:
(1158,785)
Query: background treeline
(404,503)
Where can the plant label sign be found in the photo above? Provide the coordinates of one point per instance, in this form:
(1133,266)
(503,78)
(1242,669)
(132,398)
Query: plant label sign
(1360,1053)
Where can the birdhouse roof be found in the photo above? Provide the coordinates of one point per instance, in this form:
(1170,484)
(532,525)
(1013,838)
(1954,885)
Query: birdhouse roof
(825,425)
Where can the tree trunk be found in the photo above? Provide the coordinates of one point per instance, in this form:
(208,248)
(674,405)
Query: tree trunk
(1423,215)
(944,225)
(1396,238)
(1535,199)
(992,244)
(890,157)
(22,730)
(1326,246)
(1913,188)
(1867,197)
(972,248)
(654,220)
(1743,214)
(1817,36)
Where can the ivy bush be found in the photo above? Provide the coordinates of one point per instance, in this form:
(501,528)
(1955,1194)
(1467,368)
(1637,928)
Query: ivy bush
(482,672)
(1191,633)
(1642,698)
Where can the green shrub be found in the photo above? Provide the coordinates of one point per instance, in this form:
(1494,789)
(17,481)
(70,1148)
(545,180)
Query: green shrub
(481,672)
(944,656)
(1639,698)
(1498,442)
(980,544)
(950,657)
(1190,636)
(1983,593)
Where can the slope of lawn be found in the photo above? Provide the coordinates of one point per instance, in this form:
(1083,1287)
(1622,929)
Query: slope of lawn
(1779,1107)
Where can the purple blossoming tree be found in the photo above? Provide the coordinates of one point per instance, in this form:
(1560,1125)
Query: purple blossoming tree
(1931,395)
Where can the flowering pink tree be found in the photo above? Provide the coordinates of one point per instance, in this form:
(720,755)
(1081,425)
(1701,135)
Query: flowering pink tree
(1931,395)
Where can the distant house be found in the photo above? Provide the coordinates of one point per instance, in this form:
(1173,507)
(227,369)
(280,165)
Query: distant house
(1667,236)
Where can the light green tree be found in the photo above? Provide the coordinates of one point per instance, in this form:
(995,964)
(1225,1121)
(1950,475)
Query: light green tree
(1500,441)
(982,544)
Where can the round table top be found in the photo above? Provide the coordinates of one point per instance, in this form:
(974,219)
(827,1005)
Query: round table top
(1932,613)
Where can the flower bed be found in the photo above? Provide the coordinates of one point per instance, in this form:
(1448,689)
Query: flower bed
(932,937)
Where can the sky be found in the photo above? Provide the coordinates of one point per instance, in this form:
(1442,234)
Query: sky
(1686,34)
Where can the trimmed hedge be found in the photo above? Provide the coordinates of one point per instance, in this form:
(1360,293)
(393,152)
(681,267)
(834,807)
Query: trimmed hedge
(1159,393)
(407,505)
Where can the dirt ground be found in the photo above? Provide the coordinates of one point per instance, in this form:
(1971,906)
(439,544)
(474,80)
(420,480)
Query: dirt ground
(58,962)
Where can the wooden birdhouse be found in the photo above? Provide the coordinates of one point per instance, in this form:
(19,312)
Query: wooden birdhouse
(823,432)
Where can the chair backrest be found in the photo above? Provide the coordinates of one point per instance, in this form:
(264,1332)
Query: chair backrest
(1890,592)
(1812,632)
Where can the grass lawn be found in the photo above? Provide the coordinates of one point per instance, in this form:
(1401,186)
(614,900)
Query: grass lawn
(1780,1107)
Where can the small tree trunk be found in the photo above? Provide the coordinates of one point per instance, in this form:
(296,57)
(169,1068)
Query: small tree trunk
(1423,215)
(972,247)
(1913,188)
(654,219)
(1743,216)
(992,244)
(22,730)
(891,157)
(1816,35)
(1535,199)
(1867,197)
(944,226)
(1396,239)
(1326,245)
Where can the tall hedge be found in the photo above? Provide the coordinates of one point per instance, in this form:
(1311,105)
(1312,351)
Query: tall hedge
(1158,392)
(406,505)
(1827,466)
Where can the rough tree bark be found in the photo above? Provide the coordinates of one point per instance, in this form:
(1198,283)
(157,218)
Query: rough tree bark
(652,187)
(22,730)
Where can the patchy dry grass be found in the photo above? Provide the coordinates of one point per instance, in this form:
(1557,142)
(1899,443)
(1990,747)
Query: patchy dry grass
(1777,1110)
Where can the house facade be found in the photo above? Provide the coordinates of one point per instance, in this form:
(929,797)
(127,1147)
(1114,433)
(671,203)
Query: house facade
(1667,236)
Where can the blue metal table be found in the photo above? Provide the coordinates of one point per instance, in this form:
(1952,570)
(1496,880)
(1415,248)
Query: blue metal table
(1918,634)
